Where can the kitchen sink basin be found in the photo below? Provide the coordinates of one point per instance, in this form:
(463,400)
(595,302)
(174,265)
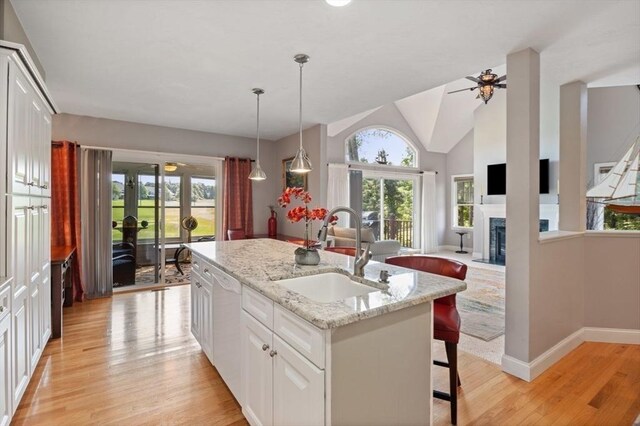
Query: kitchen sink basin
(327,287)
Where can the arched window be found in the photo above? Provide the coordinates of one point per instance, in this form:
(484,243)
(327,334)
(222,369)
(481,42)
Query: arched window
(379,145)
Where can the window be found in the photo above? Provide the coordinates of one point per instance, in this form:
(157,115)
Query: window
(172,205)
(203,205)
(381,147)
(389,206)
(146,206)
(462,201)
(117,204)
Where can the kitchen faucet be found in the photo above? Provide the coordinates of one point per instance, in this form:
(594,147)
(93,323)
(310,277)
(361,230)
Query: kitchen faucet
(361,257)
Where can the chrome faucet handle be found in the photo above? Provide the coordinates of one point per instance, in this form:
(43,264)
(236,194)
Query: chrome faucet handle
(384,276)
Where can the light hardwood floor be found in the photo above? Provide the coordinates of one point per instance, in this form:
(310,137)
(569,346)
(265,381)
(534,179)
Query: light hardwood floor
(131,360)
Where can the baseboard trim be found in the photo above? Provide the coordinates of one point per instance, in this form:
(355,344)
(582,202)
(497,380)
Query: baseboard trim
(528,371)
(611,335)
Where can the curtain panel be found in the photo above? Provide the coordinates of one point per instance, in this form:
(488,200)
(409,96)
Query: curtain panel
(97,268)
(65,205)
(429,213)
(237,202)
(338,190)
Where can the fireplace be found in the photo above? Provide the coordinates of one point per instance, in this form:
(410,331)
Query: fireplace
(498,238)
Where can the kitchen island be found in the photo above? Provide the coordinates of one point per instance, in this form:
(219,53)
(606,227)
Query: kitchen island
(290,359)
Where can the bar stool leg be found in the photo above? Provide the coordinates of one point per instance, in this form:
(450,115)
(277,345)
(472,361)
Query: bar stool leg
(452,358)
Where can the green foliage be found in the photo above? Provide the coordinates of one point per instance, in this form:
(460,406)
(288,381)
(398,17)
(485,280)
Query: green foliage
(621,221)
(143,192)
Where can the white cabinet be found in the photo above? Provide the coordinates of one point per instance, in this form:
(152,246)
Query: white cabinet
(280,386)
(25,146)
(5,356)
(201,313)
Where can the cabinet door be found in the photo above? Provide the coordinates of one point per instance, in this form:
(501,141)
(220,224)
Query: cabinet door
(35,282)
(17,132)
(45,269)
(195,305)
(5,368)
(45,158)
(298,388)
(20,343)
(35,135)
(257,372)
(206,319)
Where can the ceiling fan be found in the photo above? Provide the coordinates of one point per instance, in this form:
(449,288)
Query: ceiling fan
(486,83)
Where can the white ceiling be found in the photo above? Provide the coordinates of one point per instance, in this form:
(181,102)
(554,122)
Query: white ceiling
(191,64)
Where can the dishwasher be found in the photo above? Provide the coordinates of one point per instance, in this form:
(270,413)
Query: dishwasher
(227,307)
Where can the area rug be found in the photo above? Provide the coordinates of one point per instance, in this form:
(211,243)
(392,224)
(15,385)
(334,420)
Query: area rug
(145,274)
(481,306)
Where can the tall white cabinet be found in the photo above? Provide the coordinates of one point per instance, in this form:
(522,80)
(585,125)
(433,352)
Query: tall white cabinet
(25,223)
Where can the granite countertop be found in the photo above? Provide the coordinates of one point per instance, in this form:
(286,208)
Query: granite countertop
(257,263)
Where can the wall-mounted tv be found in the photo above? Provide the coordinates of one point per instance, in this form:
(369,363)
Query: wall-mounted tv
(497,178)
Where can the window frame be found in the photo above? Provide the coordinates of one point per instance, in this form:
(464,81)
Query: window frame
(454,201)
(215,206)
(410,143)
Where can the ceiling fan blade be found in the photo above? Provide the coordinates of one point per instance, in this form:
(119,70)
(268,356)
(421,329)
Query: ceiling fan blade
(501,86)
(462,90)
(503,78)
(474,79)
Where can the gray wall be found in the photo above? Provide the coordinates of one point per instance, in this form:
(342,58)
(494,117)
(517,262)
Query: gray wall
(313,140)
(459,162)
(100,132)
(390,116)
(11,30)
(613,116)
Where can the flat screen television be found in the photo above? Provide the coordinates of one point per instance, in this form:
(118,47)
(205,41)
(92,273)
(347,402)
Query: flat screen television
(497,178)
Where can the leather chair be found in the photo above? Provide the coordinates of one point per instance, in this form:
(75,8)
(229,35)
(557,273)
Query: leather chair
(446,319)
(236,234)
(349,251)
(124,264)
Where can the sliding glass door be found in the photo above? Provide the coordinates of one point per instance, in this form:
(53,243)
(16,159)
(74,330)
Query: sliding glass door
(389,207)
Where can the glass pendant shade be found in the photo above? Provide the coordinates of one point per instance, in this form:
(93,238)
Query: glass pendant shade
(301,162)
(257,173)
(486,93)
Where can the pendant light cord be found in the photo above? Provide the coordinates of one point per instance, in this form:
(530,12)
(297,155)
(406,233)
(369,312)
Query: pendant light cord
(300,116)
(258,126)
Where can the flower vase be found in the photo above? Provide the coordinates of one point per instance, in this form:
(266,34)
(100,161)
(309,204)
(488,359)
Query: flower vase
(306,255)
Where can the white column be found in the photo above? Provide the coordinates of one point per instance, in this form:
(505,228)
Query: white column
(573,156)
(523,211)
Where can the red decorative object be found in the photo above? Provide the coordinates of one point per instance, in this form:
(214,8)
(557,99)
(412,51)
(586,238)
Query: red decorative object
(272,224)
(303,212)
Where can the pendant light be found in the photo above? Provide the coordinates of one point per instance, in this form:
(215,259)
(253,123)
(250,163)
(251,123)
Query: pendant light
(301,163)
(258,173)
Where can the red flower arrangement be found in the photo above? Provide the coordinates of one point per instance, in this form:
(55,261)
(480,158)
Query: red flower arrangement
(299,213)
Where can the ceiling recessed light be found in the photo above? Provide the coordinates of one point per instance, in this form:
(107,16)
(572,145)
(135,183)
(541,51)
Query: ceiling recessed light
(338,3)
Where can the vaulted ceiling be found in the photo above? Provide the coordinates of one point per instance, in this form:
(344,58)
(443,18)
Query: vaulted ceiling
(191,64)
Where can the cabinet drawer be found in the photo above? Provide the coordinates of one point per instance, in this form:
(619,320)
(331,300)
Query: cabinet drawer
(5,297)
(301,335)
(261,307)
(196,263)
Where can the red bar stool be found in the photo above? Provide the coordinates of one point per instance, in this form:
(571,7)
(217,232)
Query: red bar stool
(446,320)
(236,234)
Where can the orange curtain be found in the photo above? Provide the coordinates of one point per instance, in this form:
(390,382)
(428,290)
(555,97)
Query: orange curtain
(65,205)
(238,198)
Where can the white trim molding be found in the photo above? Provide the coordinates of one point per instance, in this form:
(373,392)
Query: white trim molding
(528,371)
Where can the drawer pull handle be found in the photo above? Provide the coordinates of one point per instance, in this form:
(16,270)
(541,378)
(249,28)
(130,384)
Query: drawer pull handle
(31,184)
(273,353)
(1,309)
(265,347)
(31,207)
(206,270)
(44,186)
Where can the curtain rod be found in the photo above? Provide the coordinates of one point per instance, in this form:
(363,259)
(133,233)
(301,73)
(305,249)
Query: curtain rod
(395,169)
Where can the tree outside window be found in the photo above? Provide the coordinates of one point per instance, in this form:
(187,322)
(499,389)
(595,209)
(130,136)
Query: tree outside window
(203,205)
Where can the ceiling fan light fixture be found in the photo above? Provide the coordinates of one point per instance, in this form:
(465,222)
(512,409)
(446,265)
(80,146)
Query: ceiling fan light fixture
(257,173)
(170,167)
(486,92)
(338,3)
